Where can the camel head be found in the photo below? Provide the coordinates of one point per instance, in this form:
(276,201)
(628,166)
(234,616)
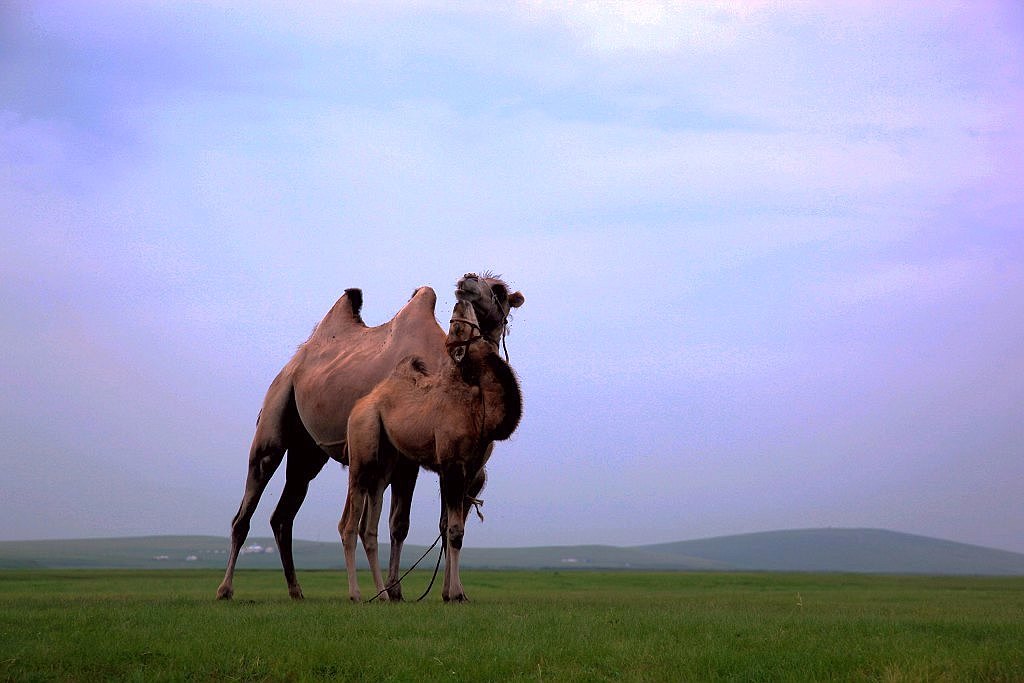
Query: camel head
(491,302)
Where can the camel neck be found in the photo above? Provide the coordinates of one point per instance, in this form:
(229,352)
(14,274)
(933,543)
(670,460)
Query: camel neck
(501,397)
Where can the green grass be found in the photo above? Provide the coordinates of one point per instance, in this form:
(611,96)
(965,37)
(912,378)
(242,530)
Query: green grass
(164,625)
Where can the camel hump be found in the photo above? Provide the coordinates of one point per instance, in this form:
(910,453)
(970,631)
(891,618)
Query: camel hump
(417,315)
(343,316)
(423,299)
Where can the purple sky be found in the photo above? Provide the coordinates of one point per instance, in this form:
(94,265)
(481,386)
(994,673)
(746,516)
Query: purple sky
(773,256)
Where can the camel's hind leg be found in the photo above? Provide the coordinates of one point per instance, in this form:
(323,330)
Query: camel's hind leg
(403,483)
(364,477)
(275,432)
(368,527)
(348,527)
(264,457)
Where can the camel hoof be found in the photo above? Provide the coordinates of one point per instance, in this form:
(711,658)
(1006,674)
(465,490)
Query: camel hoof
(395,594)
(355,599)
(461,597)
(296,593)
(225,593)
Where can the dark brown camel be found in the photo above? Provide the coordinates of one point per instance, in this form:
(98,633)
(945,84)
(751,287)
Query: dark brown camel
(445,421)
(306,409)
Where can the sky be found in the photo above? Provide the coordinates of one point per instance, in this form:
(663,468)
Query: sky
(772,255)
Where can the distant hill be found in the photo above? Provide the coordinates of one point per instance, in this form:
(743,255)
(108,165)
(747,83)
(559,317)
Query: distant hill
(847,550)
(818,550)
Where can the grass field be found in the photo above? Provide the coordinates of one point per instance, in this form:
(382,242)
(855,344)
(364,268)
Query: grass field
(164,625)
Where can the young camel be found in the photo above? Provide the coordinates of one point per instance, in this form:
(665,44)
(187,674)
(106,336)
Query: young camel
(445,421)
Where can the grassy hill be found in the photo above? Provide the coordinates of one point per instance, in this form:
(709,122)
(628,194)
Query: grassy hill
(848,550)
(819,550)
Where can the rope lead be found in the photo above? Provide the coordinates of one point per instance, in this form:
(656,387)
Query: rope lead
(436,567)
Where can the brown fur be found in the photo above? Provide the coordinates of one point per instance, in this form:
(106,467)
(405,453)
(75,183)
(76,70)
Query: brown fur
(307,406)
(446,422)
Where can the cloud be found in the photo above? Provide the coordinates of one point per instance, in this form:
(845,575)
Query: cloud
(924,283)
(905,280)
(650,26)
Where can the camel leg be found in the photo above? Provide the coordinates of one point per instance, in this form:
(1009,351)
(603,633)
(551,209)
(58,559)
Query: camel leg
(364,474)
(348,528)
(274,429)
(305,460)
(264,459)
(368,527)
(403,483)
(472,490)
(453,498)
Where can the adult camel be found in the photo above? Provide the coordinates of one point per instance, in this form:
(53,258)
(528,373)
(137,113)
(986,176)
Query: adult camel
(306,409)
(445,421)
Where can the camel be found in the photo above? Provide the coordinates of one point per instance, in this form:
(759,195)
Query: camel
(445,421)
(306,409)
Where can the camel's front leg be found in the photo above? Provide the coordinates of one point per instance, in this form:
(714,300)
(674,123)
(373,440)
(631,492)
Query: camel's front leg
(403,483)
(305,460)
(453,495)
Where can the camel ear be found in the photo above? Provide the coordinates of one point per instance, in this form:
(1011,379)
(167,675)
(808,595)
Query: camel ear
(516,300)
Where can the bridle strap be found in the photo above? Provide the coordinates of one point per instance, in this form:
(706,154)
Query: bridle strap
(465,342)
(499,343)
(504,331)
(466,321)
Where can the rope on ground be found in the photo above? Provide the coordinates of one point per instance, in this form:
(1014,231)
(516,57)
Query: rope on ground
(425,553)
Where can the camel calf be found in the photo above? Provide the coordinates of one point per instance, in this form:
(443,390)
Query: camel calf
(445,421)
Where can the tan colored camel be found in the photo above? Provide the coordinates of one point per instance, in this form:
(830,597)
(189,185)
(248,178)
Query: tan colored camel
(445,421)
(307,406)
